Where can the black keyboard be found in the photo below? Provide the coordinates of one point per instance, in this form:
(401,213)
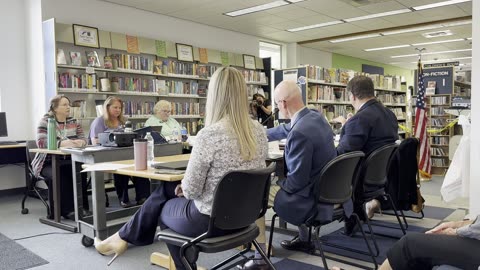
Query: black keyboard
(8,142)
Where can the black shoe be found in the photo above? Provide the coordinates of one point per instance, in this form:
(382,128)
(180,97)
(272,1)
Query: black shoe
(350,227)
(70,215)
(297,244)
(255,264)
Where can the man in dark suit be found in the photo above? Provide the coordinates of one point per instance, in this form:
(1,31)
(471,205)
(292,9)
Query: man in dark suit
(372,126)
(308,148)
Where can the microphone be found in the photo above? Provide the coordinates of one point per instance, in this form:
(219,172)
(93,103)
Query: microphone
(271,115)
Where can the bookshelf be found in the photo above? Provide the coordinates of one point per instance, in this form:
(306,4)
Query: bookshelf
(326,90)
(439,142)
(139,79)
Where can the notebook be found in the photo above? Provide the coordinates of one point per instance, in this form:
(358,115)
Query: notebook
(174,165)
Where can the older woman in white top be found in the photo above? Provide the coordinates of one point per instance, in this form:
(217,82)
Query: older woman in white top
(229,141)
(161,117)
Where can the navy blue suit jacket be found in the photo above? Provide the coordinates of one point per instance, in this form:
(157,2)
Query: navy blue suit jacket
(373,126)
(308,148)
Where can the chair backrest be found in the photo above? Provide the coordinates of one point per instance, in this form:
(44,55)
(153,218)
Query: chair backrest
(240,198)
(374,169)
(30,156)
(337,177)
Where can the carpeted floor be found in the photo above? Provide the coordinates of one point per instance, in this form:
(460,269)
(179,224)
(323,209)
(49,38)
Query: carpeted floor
(15,256)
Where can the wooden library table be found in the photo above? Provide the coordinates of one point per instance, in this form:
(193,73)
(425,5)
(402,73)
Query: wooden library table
(56,178)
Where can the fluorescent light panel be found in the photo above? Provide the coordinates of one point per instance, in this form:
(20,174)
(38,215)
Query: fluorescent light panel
(444,59)
(440,4)
(438,42)
(408,30)
(294,1)
(430,53)
(387,48)
(354,38)
(377,15)
(314,26)
(257,8)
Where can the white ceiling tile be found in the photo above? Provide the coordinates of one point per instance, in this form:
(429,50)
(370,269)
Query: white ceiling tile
(334,9)
(284,36)
(314,19)
(382,7)
(287,25)
(372,24)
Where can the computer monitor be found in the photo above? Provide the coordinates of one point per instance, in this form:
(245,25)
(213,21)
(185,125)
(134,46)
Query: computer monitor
(3,125)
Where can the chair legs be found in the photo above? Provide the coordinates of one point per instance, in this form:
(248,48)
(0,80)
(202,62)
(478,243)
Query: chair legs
(270,240)
(233,257)
(32,187)
(264,256)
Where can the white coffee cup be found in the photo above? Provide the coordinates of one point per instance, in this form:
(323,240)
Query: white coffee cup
(105,84)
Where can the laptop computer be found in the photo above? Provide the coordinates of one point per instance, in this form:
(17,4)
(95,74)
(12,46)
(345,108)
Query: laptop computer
(155,131)
(174,165)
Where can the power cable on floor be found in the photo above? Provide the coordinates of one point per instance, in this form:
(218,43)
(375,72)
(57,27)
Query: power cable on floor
(42,234)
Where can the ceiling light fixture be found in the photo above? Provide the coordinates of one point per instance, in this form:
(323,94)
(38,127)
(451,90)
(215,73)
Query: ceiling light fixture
(440,4)
(377,15)
(257,8)
(438,42)
(408,30)
(430,53)
(387,48)
(294,1)
(354,38)
(443,60)
(314,26)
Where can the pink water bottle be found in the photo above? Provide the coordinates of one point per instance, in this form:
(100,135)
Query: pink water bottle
(140,154)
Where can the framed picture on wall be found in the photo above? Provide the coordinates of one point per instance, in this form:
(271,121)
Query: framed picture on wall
(86,36)
(184,52)
(249,61)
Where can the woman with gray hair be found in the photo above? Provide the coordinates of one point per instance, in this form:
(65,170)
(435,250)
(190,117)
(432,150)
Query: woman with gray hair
(161,117)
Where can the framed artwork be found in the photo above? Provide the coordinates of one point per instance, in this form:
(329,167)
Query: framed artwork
(85,36)
(249,61)
(184,52)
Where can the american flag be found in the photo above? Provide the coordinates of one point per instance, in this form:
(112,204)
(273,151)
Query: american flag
(421,120)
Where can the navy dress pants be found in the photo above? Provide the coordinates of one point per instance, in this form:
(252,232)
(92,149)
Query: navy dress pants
(142,187)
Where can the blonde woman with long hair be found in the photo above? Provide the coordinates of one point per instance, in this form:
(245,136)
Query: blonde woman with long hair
(113,120)
(229,141)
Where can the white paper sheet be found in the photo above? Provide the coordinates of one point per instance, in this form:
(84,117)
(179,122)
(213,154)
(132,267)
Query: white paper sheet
(106,167)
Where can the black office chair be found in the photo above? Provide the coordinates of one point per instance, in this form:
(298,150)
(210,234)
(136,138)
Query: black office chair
(373,178)
(240,198)
(33,180)
(334,186)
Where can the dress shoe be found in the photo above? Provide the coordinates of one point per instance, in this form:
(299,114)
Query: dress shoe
(112,245)
(254,264)
(297,244)
(141,201)
(125,204)
(371,207)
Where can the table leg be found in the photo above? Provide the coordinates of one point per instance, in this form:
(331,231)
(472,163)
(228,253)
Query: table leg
(56,199)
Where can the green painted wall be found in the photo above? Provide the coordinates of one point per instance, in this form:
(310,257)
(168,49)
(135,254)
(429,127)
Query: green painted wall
(353,63)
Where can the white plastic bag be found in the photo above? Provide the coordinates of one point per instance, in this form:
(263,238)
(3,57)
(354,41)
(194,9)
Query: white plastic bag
(457,178)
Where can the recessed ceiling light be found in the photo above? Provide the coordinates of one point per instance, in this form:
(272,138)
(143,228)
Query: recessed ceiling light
(438,42)
(387,48)
(440,4)
(377,15)
(430,53)
(257,8)
(314,26)
(469,38)
(354,38)
(436,34)
(294,1)
(408,30)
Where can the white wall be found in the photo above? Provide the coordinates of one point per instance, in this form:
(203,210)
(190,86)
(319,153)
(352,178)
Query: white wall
(18,79)
(308,56)
(475,114)
(121,19)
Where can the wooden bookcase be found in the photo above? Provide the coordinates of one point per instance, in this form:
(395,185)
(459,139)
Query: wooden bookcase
(140,80)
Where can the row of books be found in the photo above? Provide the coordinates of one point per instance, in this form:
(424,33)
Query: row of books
(128,61)
(333,111)
(254,76)
(439,162)
(188,108)
(440,140)
(330,75)
(436,151)
(438,122)
(136,84)
(78,109)
(443,100)
(399,113)
(166,87)
(325,92)
(131,108)
(435,111)
(389,98)
(72,80)
(385,82)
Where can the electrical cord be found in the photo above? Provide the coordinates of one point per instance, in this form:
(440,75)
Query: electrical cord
(42,234)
